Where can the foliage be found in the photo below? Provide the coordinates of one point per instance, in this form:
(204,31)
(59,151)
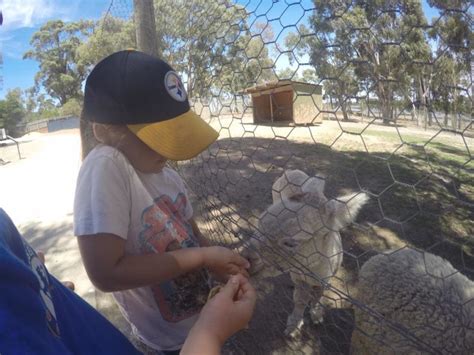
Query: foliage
(55,48)
(452,35)
(306,76)
(71,107)
(38,105)
(110,35)
(207,40)
(12,111)
(364,48)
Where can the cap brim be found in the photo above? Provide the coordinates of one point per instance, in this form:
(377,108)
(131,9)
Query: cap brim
(180,138)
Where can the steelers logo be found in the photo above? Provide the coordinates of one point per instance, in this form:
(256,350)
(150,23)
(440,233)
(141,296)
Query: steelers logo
(175,87)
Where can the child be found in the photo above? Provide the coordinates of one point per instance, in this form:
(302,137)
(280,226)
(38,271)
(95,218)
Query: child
(132,215)
(39,315)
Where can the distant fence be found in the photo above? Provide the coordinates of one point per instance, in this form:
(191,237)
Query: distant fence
(50,125)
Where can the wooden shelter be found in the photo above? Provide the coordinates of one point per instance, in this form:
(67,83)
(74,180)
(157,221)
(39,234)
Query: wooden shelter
(286,101)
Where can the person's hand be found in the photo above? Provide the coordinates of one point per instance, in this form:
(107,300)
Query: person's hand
(223,315)
(223,262)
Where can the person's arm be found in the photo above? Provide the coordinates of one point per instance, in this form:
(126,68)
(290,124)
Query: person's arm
(110,269)
(224,315)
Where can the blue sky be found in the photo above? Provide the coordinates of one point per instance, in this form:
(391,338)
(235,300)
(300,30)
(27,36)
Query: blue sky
(22,18)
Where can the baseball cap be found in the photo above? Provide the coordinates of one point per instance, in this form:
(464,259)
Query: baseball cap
(143,92)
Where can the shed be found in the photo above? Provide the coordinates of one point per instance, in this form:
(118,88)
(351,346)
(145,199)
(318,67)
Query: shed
(286,101)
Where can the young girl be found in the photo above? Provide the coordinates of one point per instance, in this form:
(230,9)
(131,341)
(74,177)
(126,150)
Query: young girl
(132,215)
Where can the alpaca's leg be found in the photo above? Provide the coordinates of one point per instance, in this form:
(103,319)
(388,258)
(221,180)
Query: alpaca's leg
(316,310)
(301,298)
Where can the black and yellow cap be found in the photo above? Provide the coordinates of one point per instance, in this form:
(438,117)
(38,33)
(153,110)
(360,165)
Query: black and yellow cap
(146,94)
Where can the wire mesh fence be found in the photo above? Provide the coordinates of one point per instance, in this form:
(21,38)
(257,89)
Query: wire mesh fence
(344,166)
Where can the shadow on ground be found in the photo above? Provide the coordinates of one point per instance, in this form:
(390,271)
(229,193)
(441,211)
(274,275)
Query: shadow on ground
(413,204)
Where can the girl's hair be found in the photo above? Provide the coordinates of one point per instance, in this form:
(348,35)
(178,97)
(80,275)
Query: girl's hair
(88,140)
(93,134)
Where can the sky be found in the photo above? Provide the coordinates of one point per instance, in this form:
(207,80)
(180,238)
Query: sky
(22,18)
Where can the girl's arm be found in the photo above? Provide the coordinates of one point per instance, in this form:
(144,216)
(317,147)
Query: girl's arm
(110,269)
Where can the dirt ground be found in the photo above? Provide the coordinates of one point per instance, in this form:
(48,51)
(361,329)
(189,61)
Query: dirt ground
(420,197)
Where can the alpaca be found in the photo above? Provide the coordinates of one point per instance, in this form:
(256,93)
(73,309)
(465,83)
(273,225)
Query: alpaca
(299,234)
(421,293)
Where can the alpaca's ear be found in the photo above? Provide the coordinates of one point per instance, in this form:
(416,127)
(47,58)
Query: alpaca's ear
(341,212)
(290,183)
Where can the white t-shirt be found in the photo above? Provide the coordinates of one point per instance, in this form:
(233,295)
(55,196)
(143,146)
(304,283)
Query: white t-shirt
(151,212)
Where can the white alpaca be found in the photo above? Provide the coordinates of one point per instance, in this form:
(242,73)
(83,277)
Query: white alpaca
(420,294)
(299,234)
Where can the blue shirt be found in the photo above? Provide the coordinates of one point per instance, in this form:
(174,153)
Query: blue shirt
(38,315)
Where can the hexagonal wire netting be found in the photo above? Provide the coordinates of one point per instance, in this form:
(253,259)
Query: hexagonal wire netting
(365,109)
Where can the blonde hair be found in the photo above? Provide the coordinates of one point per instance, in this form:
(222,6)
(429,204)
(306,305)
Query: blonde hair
(88,139)
(93,134)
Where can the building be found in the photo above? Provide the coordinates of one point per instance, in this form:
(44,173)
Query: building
(286,101)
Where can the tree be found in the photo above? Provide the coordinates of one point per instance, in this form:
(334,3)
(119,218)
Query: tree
(395,42)
(453,36)
(111,34)
(12,111)
(288,74)
(246,62)
(307,75)
(365,48)
(54,47)
(211,45)
(189,33)
(73,107)
(38,105)
(331,51)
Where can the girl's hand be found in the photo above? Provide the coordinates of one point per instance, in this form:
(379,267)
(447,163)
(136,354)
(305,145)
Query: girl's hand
(223,262)
(224,315)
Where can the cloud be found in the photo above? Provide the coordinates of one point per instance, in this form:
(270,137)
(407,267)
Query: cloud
(14,49)
(29,13)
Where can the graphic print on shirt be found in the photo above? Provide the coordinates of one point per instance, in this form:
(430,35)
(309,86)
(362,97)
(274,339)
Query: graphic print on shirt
(45,288)
(166,229)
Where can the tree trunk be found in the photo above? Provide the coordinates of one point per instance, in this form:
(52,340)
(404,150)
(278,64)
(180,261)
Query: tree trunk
(386,111)
(414,115)
(383,94)
(343,104)
(145,27)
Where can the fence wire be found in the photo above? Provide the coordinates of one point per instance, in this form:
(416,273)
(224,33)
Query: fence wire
(363,112)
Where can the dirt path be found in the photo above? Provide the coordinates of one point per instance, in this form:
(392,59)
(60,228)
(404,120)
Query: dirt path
(37,192)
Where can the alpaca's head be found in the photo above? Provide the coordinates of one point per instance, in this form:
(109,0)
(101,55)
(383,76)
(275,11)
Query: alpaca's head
(295,182)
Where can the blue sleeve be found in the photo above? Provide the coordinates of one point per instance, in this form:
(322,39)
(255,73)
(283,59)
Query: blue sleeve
(23,316)
(38,315)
